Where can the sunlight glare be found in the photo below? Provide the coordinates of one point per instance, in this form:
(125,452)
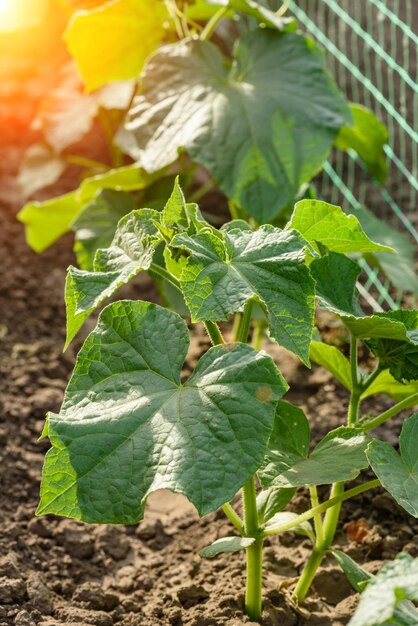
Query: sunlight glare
(18,15)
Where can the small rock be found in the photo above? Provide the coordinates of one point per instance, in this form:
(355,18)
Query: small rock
(23,618)
(76,541)
(332,585)
(39,594)
(40,527)
(12,585)
(153,533)
(92,596)
(112,541)
(192,595)
(84,617)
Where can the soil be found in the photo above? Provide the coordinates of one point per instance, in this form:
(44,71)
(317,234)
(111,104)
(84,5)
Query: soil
(55,571)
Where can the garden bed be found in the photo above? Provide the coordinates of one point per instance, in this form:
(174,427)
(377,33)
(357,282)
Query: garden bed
(55,571)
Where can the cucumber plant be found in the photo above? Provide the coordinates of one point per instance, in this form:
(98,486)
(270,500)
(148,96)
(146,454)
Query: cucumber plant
(223,87)
(129,425)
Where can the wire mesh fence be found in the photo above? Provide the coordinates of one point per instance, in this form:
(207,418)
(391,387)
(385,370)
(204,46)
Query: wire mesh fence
(372,51)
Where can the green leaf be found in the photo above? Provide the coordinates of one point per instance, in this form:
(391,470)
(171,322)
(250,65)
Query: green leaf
(332,360)
(400,325)
(246,122)
(398,473)
(305,528)
(272,501)
(226,544)
(386,384)
(327,224)
(226,270)
(131,252)
(339,456)
(96,224)
(40,167)
(357,576)
(399,357)
(129,31)
(128,425)
(399,268)
(384,595)
(47,221)
(335,277)
(258,12)
(367,136)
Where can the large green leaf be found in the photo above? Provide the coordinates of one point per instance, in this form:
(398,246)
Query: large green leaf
(248,123)
(339,456)
(95,226)
(367,136)
(226,269)
(386,384)
(131,252)
(327,224)
(398,473)
(128,426)
(383,601)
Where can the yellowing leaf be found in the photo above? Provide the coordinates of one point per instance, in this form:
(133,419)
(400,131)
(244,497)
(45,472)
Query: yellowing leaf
(111,42)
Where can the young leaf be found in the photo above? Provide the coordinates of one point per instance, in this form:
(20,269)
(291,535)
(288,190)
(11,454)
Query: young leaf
(226,544)
(305,528)
(357,576)
(129,31)
(272,501)
(335,276)
(227,269)
(246,122)
(95,226)
(386,384)
(327,224)
(131,252)
(47,221)
(128,425)
(398,473)
(338,457)
(259,12)
(332,360)
(367,136)
(384,595)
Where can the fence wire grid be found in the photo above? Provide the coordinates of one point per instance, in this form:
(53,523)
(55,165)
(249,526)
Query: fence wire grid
(371,49)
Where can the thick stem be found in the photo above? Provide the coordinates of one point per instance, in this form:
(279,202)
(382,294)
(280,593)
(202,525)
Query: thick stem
(258,335)
(332,515)
(214,333)
(253,593)
(319,531)
(397,408)
(308,574)
(356,391)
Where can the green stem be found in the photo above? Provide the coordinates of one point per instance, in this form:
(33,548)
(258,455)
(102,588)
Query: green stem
(370,379)
(253,593)
(356,391)
(75,159)
(308,574)
(202,191)
(209,29)
(234,518)
(258,335)
(397,408)
(319,531)
(321,508)
(332,515)
(244,327)
(161,271)
(214,333)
